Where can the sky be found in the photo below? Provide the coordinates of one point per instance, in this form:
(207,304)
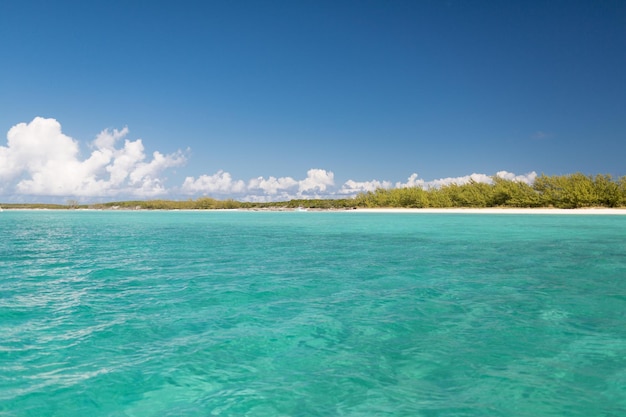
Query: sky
(273,100)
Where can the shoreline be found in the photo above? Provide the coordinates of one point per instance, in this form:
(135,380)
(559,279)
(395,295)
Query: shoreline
(494,210)
(457,210)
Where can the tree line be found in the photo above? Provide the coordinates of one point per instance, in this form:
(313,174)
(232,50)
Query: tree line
(208,203)
(561,191)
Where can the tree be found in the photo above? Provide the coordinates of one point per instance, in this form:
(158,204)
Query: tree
(607,191)
(513,193)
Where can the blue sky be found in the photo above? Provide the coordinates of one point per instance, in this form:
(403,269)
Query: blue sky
(265,100)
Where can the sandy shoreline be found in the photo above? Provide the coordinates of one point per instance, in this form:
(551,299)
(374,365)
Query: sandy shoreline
(491,210)
(593,211)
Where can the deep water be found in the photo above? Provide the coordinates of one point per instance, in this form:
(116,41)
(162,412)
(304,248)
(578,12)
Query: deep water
(311,314)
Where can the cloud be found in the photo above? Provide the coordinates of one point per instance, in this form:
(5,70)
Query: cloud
(220,183)
(40,160)
(528,178)
(272,185)
(412,181)
(459,180)
(352,187)
(317,181)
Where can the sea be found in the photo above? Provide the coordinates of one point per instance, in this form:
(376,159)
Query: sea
(243,313)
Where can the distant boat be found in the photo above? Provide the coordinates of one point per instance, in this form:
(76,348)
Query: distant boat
(301,209)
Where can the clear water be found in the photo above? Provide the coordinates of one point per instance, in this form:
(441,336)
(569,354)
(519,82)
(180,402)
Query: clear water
(311,314)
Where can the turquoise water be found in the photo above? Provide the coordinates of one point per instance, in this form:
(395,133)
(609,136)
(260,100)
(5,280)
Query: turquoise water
(311,314)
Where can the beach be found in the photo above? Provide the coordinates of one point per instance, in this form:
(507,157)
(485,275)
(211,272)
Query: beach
(586,211)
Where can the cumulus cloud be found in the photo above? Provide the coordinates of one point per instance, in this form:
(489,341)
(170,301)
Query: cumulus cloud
(412,181)
(272,185)
(528,178)
(221,183)
(316,182)
(319,183)
(40,160)
(352,187)
(466,179)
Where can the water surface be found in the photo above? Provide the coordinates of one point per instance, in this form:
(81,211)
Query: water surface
(311,314)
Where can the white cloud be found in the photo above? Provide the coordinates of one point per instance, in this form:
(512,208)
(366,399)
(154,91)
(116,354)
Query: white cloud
(316,180)
(459,180)
(31,146)
(272,185)
(221,183)
(412,181)
(40,160)
(107,138)
(352,187)
(528,178)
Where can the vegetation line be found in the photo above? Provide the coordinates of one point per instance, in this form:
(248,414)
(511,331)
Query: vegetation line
(565,191)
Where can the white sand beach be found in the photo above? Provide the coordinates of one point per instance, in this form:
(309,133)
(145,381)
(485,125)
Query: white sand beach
(592,211)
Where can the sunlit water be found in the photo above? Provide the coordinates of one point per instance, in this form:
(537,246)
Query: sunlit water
(311,314)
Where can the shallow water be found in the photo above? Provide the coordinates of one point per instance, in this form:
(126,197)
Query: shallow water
(311,314)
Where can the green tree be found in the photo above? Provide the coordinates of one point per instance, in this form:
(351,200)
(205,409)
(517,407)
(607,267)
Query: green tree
(550,190)
(580,191)
(567,191)
(621,189)
(439,198)
(513,193)
(472,194)
(607,191)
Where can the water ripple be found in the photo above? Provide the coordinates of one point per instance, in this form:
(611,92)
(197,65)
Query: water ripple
(267,314)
